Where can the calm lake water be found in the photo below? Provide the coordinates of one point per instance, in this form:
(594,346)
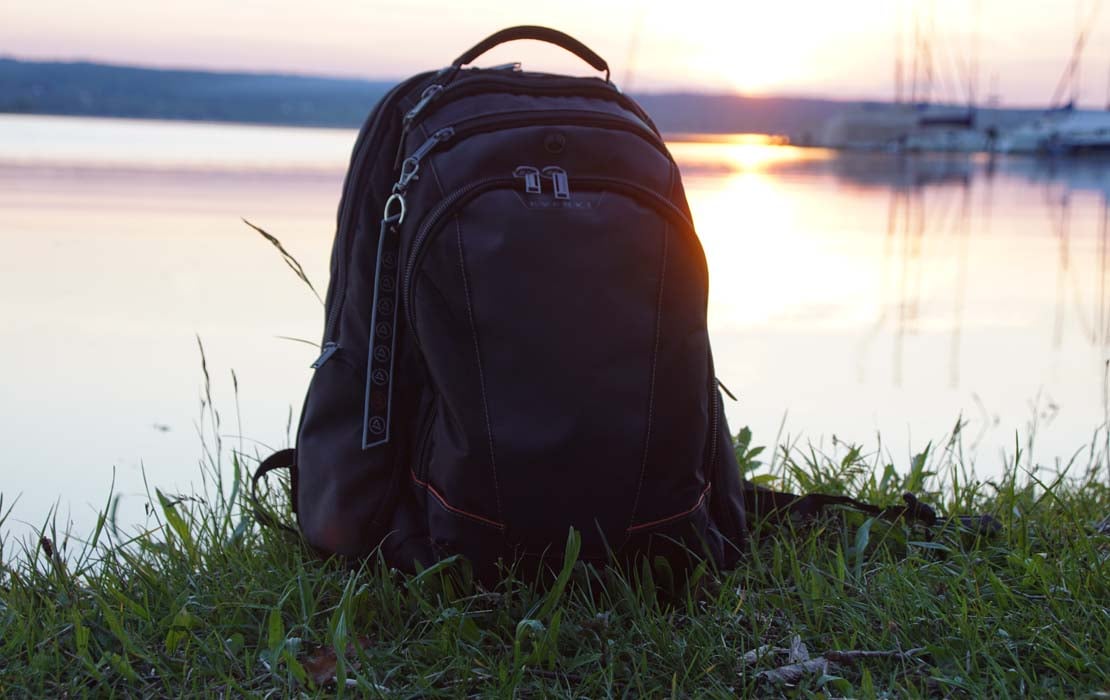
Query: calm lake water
(851,295)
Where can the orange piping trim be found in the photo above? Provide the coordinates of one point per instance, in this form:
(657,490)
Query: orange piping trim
(676,516)
(443,502)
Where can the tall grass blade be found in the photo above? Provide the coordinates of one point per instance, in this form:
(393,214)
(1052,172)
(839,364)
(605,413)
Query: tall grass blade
(292,262)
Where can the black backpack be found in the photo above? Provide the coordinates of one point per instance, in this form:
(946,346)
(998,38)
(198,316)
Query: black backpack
(516,335)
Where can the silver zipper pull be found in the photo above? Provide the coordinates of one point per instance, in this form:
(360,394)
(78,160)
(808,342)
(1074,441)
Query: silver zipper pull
(328,350)
(412,164)
(435,139)
(531,178)
(514,67)
(429,94)
(559,178)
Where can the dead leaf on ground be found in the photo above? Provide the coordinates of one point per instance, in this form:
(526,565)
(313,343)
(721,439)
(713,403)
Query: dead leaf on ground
(799,664)
(798,651)
(753,656)
(792,673)
(321,663)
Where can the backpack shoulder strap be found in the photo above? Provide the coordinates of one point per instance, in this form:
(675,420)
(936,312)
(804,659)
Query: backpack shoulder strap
(779,508)
(282,459)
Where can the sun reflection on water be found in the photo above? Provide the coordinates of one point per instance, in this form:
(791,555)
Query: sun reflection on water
(766,266)
(857,293)
(901,291)
(737,152)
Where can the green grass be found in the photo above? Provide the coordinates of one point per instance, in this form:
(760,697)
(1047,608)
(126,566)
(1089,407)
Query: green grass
(204,602)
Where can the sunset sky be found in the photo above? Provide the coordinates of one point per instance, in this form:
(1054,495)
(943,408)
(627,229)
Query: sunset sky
(797,47)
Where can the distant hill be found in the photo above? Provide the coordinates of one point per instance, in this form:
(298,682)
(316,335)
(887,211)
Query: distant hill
(705,113)
(94,89)
(100,90)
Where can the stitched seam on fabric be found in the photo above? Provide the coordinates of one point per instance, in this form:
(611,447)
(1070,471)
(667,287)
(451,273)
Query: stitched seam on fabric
(447,506)
(676,516)
(651,389)
(481,373)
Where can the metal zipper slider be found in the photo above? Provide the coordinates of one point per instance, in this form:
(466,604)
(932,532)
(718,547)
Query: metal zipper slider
(531,178)
(514,67)
(435,139)
(429,94)
(329,350)
(559,178)
(412,164)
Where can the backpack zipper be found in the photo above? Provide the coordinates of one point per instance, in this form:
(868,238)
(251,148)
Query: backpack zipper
(410,166)
(557,117)
(559,181)
(463,195)
(367,136)
(434,99)
(420,465)
(532,184)
(465,129)
(326,352)
(715,426)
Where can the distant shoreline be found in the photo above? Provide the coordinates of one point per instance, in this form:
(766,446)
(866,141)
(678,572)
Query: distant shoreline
(178,120)
(102,90)
(263,99)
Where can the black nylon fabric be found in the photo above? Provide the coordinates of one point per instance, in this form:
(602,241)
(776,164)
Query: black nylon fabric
(551,366)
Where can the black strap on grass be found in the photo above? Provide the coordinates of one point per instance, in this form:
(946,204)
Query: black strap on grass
(282,459)
(779,508)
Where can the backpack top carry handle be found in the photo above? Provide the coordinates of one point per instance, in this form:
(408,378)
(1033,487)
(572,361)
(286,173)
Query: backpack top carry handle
(551,36)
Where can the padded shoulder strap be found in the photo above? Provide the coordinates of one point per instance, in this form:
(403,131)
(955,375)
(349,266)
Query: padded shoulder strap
(282,459)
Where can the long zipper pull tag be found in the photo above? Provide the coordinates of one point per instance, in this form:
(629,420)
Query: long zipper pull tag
(531,177)
(378,406)
(559,179)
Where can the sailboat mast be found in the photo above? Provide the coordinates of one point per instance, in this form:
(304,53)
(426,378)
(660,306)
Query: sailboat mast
(634,47)
(927,51)
(1070,78)
(898,58)
(916,54)
(1077,67)
(973,74)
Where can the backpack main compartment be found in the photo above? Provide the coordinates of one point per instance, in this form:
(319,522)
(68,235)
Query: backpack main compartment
(516,343)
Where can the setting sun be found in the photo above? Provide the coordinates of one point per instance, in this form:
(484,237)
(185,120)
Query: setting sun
(742,51)
(838,50)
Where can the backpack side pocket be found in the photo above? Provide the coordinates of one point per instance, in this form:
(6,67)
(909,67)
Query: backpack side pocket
(345,494)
